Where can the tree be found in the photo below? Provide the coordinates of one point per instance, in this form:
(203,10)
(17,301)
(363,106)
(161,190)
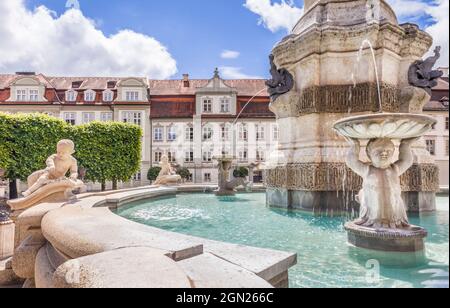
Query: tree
(184,173)
(240,172)
(107,151)
(153,173)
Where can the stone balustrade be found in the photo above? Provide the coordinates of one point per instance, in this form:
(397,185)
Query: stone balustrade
(83,244)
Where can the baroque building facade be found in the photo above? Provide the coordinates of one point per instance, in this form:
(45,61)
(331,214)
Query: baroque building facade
(190,120)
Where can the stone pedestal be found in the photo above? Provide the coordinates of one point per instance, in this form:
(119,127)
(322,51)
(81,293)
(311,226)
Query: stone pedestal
(390,240)
(321,53)
(7,230)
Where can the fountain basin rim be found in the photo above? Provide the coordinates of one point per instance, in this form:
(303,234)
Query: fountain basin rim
(385,125)
(411,232)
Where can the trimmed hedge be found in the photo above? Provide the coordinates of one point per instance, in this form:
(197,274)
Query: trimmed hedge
(240,172)
(153,173)
(108,151)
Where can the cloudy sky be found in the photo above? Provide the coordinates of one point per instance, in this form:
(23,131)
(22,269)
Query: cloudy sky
(164,39)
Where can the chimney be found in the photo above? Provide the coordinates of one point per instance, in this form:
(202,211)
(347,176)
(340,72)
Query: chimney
(186,82)
(26,73)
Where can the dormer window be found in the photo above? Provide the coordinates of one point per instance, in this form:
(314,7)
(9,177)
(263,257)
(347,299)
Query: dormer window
(207,105)
(89,96)
(21,95)
(108,96)
(76,84)
(71,96)
(111,84)
(34,95)
(132,96)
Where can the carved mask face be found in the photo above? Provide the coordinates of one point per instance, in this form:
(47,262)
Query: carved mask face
(381,153)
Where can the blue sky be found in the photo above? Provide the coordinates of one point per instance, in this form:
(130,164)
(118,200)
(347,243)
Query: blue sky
(195,34)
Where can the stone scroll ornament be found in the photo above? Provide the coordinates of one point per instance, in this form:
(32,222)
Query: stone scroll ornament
(282,81)
(422,75)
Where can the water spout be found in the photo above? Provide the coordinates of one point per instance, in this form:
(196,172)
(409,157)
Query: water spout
(369,44)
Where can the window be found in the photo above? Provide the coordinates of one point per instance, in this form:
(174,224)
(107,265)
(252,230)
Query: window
(243,156)
(171,134)
(88,117)
(132,118)
(189,136)
(446,123)
(70,118)
(207,156)
(189,157)
(207,133)
(132,96)
(108,96)
(190,178)
(225,132)
(276,133)
(207,105)
(137,177)
(446,148)
(89,96)
(243,132)
(71,96)
(158,134)
(224,105)
(207,177)
(21,95)
(106,116)
(34,95)
(158,155)
(431,146)
(260,155)
(260,132)
(172,157)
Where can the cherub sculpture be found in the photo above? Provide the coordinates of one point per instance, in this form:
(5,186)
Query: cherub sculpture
(58,165)
(381,200)
(167,175)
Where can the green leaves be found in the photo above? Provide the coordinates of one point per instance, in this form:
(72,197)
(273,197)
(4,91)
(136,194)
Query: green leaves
(153,173)
(106,150)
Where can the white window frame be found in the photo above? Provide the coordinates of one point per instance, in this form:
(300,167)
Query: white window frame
(108,96)
(243,132)
(172,156)
(71,96)
(260,132)
(132,117)
(207,133)
(158,134)
(106,117)
(189,133)
(207,105)
(33,95)
(88,117)
(172,133)
(225,105)
(70,118)
(157,155)
(89,96)
(207,177)
(21,95)
(243,155)
(431,146)
(276,133)
(207,156)
(225,132)
(132,95)
(189,156)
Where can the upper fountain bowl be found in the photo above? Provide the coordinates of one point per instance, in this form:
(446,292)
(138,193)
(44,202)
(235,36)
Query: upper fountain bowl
(385,125)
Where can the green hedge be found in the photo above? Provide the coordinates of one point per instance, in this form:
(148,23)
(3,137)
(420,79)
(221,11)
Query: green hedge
(108,151)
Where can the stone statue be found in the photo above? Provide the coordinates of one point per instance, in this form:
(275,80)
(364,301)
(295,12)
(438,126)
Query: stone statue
(227,187)
(422,75)
(282,81)
(57,167)
(381,200)
(51,183)
(167,175)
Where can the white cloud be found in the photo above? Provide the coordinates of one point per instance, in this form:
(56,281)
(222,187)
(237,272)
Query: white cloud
(275,16)
(231,72)
(70,44)
(230,54)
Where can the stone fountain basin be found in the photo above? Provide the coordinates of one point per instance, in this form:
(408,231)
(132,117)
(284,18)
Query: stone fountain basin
(385,125)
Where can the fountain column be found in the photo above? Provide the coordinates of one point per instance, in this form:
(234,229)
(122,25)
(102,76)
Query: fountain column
(308,172)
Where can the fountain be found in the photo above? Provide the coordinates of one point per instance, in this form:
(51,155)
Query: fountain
(315,84)
(383,223)
(227,187)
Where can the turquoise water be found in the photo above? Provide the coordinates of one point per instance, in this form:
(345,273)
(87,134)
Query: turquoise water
(324,258)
